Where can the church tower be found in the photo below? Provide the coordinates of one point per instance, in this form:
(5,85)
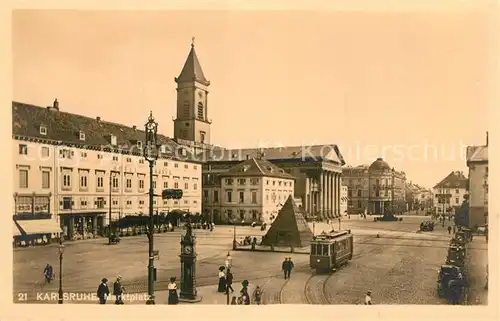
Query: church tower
(192,122)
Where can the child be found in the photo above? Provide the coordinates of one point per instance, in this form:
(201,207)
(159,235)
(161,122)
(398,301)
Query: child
(233,301)
(257,295)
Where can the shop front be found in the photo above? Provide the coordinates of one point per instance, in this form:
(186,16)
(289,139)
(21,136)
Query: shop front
(84,225)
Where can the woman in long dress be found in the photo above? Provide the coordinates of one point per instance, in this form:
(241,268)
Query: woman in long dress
(173,298)
(245,297)
(222,280)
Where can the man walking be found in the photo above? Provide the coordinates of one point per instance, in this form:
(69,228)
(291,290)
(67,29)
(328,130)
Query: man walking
(284,267)
(368,298)
(229,280)
(118,290)
(290,267)
(103,291)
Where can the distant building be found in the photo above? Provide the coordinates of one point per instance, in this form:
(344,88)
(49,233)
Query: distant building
(252,191)
(477,161)
(375,188)
(449,193)
(343,199)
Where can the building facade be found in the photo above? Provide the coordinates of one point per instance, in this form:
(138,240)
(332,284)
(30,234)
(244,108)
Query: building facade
(77,169)
(449,193)
(377,188)
(317,171)
(252,191)
(477,161)
(344,199)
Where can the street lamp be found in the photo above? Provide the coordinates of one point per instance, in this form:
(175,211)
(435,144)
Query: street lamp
(61,251)
(112,175)
(151,153)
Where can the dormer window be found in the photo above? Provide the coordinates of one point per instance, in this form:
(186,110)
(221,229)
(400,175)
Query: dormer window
(139,144)
(43,130)
(81,135)
(112,140)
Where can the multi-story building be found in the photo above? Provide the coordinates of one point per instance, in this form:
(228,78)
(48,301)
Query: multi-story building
(477,161)
(449,193)
(77,169)
(343,199)
(252,191)
(375,188)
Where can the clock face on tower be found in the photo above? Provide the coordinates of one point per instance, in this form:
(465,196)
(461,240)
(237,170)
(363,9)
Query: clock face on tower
(188,249)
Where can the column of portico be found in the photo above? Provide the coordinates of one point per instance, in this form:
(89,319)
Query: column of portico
(322,188)
(307,197)
(339,175)
(332,196)
(327,194)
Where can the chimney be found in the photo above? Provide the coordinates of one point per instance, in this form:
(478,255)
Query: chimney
(55,104)
(486,138)
(98,118)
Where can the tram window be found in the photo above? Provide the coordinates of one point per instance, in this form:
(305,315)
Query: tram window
(313,249)
(325,250)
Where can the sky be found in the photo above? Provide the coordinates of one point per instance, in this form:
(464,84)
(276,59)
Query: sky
(412,88)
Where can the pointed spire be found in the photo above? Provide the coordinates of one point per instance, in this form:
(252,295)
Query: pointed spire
(192,69)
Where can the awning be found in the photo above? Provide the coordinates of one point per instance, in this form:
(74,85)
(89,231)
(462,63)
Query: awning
(39,226)
(15,229)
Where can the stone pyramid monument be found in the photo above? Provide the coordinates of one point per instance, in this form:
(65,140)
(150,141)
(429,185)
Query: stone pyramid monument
(289,228)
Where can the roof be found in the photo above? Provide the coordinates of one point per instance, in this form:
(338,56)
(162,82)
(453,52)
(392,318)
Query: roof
(257,167)
(316,152)
(477,154)
(289,228)
(192,70)
(379,165)
(455,179)
(65,128)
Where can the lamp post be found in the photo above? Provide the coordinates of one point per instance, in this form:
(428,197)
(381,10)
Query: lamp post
(112,175)
(151,153)
(61,251)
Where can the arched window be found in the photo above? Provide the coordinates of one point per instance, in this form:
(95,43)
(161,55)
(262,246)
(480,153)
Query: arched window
(200,110)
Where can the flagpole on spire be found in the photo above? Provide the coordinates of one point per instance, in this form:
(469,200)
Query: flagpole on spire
(192,41)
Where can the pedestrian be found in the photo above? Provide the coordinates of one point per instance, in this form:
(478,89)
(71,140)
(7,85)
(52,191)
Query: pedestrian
(48,273)
(257,295)
(229,280)
(284,267)
(229,261)
(118,290)
(449,229)
(254,242)
(290,267)
(245,297)
(173,298)
(103,291)
(368,298)
(233,301)
(222,280)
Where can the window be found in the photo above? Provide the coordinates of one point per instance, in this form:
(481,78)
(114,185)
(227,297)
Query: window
(274,183)
(45,151)
(99,202)
(141,183)
(229,196)
(139,144)
(186,166)
(81,135)
(200,110)
(66,180)
(377,193)
(254,215)
(99,156)
(176,184)
(83,203)
(115,202)
(83,181)
(43,130)
(230,214)
(154,183)
(254,181)
(114,182)
(216,196)
(23,149)
(195,186)
(242,181)
(186,185)
(45,179)
(165,185)
(67,203)
(115,158)
(457,191)
(457,200)
(83,155)
(100,182)
(202,137)
(165,164)
(23,178)
(254,197)
(176,165)
(205,195)
(141,161)
(242,197)
(229,181)
(66,153)
(129,160)
(349,193)
(242,214)
(128,183)
(359,193)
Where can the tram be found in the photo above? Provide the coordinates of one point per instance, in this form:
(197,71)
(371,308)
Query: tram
(331,250)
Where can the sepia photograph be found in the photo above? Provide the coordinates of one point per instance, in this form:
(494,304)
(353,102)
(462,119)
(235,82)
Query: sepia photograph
(225,157)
